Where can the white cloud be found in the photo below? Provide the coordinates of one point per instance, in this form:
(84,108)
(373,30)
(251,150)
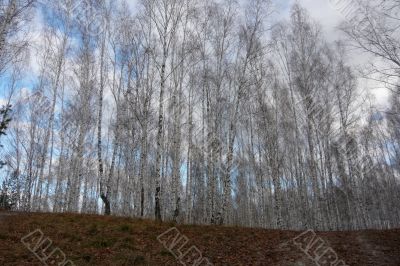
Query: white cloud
(329,16)
(324,12)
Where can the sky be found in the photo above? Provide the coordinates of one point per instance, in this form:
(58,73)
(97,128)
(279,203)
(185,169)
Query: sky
(325,12)
(329,15)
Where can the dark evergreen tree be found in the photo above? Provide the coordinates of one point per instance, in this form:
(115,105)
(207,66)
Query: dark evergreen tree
(4,122)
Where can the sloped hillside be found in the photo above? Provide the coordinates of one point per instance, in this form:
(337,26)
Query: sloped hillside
(26,239)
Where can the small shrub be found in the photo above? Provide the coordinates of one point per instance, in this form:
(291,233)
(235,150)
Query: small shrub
(139,260)
(93,230)
(102,243)
(87,257)
(125,228)
(166,253)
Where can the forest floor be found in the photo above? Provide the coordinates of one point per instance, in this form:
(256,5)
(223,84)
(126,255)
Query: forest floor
(99,240)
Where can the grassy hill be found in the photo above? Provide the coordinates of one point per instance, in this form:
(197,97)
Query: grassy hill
(99,240)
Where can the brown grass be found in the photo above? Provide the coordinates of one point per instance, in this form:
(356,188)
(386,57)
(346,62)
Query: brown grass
(99,240)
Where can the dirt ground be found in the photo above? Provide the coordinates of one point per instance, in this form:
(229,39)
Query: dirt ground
(98,240)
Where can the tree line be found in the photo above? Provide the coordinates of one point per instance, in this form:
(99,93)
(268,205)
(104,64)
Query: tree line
(204,112)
